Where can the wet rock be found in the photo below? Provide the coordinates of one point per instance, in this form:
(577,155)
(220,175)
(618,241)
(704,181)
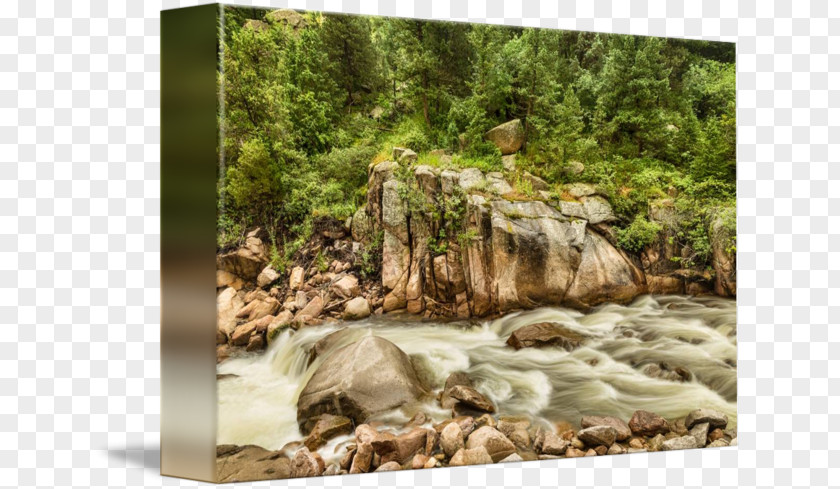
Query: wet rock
(357,308)
(418,419)
(616,449)
(700,432)
(545,334)
(471,456)
(485,420)
(733,442)
(280,322)
(296,278)
(646,423)
(471,397)
(306,464)
(364,378)
(681,443)
(598,435)
(622,430)
(347,459)
(347,287)
(508,137)
(267,276)
(601,450)
(255,343)
(250,463)
(451,439)
(496,444)
(716,419)
(326,427)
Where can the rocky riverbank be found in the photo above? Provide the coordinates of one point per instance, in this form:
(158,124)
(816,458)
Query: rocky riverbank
(468,440)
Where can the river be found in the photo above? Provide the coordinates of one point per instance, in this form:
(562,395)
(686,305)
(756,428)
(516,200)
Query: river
(257,403)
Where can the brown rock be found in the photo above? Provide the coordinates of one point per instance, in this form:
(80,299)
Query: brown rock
(471,397)
(508,137)
(400,448)
(637,443)
(296,278)
(716,419)
(467,424)
(496,444)
(647,423)
(601,450)
(347,287)
(250,463)
(313,309)
(590,453)
(572,452)
(306,464)
(622,430)
(516,430)
(598,435)
(715,435)
(545,334)
(247,261)
(255,342)
(485,420)
(388,467)
(616,449)
(356,308)
(326,427)
(419,461)
(471,456)
(451,439)
(362,459)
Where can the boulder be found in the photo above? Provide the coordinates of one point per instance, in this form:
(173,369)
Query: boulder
(404,155)
(497,184)
(574,168)
(347,287)
(362,459)
(301,300)
(716,419)
(281,321)
(401,448)
(255,342)
(248,260)
(471,397)
(313,309)
(357,308)
(496,444)
(467,424)
(508,137)
(361,226)
(723,257)
(267,276)
(471,178)
(597,209)
(326,427)
(536,182)
(287,17)
(364,378)
(306,464)
(509,163)
(296,278)
(471,456)
(622,430)
(545,334)
(578,190)
(646,423)
(681,443)
(228,305)
(250,463)
(451,439)
(604,274)
(227,279)
(515,428)
(449,180)
(700,432)
(598,435)
(259,308)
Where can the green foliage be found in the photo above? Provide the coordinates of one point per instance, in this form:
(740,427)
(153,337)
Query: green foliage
(638,234)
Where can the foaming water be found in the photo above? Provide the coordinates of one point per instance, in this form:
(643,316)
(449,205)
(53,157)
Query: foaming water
(257,405)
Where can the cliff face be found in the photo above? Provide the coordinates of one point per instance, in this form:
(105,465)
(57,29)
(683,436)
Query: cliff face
(463,244)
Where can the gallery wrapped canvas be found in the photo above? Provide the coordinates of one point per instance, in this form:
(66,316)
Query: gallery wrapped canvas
(425,244)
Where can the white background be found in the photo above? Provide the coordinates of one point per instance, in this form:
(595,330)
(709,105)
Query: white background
(80,229)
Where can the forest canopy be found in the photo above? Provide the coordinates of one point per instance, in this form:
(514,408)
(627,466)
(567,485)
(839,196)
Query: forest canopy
(311,99)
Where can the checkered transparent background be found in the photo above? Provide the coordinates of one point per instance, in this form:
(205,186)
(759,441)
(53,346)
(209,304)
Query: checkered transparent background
(80,229)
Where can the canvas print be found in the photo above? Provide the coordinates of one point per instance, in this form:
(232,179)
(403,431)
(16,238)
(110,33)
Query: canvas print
(444,244)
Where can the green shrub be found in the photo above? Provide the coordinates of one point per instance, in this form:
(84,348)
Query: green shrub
(640,233)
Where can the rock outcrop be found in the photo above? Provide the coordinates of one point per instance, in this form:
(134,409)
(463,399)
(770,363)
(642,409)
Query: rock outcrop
(364,378)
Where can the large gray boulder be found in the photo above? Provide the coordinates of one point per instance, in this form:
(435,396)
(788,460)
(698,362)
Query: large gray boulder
(604,274)
(359,380)
(508,137)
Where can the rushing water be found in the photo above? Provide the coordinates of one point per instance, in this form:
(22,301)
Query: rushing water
(257,404)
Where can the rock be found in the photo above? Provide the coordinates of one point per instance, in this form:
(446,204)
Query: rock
(681,443)
(509,162)
(288,17)
(733,442)
(364,378)
(485,420)
(716,419)
(227,279)
(400,448)
(280,322)
(637,443)
(267,276)
(361,227)
(404,155)
(242,334)
(451,439)
(656,442)
(471,456)
(296,278)
(572,452)
(467,424)
(249,463)
(347,287)
(590,453)
(259,308)
(221,337)
(313,309)
(496,184)
(622,430)
(574,168)
(362,458)
(601,450)
(306,464)
(616,449)
(471,397)
(471,178)
(332,469)
(255,342)
(700,432)
(597,209)
(357,308)
(516,430)
(545,334)
(646,423)
(326,427)
(723,256)
(536,182)
(248,260)
(552,444)
(419,461)
(578,190)
(418,419)
(496,444)
(513,457)
(718,443)
(604,274)
(228,305)
(572,209)
(301,300)
(508,137)
(715,434)
(449,180)
(598,435)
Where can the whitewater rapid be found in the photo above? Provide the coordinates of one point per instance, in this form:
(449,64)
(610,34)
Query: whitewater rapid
(258,399)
